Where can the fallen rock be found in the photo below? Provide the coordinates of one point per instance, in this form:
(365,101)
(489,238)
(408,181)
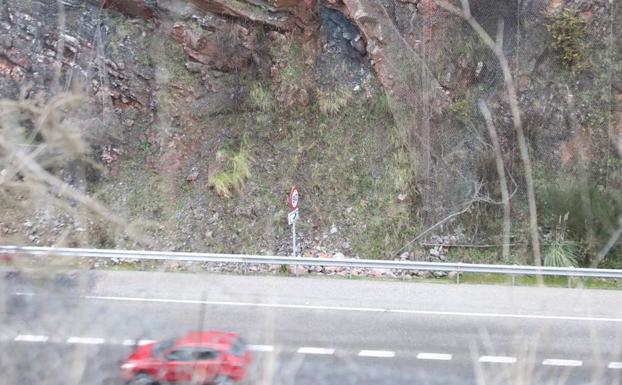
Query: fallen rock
(297,270)
(194,67)
(380,272)
(424,274)
(193,175)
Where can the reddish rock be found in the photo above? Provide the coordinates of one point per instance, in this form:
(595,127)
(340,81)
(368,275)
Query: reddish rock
(135,8)
(223,49)
(297,270)
(17,57)
(244,10)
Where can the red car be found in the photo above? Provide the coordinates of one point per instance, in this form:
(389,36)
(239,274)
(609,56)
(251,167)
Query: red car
(210,357)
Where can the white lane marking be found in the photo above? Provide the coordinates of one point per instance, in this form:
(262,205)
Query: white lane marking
(31,338)
(85,340)
(615,365)
(434,356)
(377,353)
(312,350)
(261,348)
(560,362)
(498,359)
(356,309)
(131,342)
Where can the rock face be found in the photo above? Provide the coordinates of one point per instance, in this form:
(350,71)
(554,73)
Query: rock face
(174,89)
(147,9)
(418,103)
(280,14)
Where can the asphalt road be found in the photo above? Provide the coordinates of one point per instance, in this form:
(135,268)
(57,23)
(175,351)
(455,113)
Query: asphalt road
(315,331)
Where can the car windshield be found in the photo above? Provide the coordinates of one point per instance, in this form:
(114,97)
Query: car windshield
(162,346)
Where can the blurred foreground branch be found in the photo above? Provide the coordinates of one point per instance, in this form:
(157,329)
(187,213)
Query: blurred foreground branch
(503,182)
(44,129)
(496,46)
(615,236)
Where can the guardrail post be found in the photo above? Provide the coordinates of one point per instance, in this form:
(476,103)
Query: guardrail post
(458,277)
(569,281)
(513,280)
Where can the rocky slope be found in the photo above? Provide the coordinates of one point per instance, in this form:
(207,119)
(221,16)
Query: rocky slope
(199,115)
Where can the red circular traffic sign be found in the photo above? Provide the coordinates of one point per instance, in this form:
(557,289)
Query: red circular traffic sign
(293,198)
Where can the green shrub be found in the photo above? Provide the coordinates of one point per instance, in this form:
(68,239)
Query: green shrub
(568,34)
(463,110)
(563,198)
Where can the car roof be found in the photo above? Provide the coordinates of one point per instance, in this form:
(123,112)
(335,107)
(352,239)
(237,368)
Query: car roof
(212,339)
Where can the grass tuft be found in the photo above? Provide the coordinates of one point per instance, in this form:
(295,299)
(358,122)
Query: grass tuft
(261,98)
(223,184)
(237,170)
(560,254)
(334,100)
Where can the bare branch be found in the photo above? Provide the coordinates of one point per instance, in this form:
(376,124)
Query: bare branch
(25,159)
(499,38)
(516,119)
(503,183)
(466,7)
(450,7)
(467,206)
(27,164)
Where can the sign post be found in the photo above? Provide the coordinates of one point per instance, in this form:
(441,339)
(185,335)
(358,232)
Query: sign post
(292,217)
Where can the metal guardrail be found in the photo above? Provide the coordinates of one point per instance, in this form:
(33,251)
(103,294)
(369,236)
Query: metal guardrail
(345,262)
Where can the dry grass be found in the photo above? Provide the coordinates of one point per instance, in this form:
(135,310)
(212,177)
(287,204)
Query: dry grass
(334,100)
(236,170)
